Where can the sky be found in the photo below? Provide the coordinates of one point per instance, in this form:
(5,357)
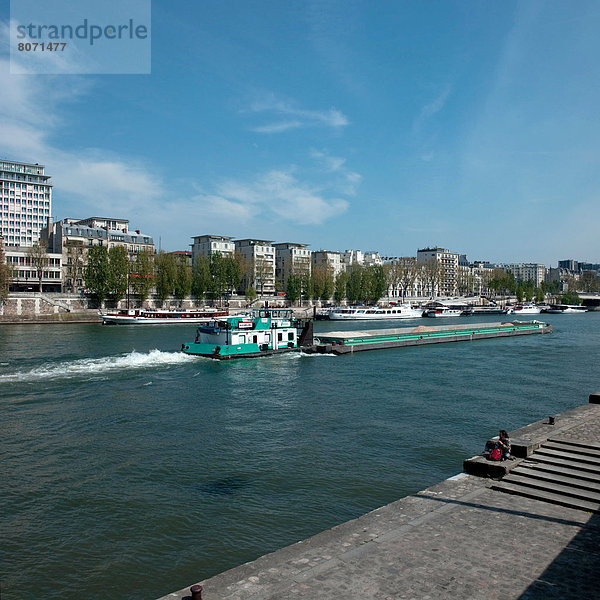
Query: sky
(374,125)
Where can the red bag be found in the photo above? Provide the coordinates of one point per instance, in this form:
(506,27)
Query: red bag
(495,454)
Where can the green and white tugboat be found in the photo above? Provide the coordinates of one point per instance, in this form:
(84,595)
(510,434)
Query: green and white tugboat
(265,331)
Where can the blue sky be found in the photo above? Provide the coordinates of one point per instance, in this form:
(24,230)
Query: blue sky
(372,125)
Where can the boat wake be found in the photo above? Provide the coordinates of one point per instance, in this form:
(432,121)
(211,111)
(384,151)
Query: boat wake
(96,366)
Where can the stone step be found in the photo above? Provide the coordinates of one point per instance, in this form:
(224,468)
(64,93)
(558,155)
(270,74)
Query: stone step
(544,496)
(543,451)
(558,470)
(551,477)
(554,488)
(575,444)
(563,462)
(579,450)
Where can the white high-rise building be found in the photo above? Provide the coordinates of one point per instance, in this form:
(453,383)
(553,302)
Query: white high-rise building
(25,202)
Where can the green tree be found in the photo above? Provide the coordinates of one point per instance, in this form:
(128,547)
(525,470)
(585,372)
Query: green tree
(219,275)
(142,276)
(356,288)
(251,295)
(233,269)
(570,297)
(201,279)
(96,273)
(293,289)
(323,283)
(118,260)
(183,278)
(375,286)
(166,274)
(539,295)
(341,287)
(5,274)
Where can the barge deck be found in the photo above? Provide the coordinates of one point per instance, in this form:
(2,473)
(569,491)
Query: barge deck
(345,342)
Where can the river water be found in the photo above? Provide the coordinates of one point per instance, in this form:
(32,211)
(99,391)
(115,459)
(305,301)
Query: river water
(130,470)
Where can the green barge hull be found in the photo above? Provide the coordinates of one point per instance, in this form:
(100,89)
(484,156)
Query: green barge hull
(347,342)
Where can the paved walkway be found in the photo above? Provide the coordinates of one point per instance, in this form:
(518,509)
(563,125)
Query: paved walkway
(458,539)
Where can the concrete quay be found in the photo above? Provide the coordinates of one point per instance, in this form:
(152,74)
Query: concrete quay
(459,539)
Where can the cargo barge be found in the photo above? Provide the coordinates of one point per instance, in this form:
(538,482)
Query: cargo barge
(345,342)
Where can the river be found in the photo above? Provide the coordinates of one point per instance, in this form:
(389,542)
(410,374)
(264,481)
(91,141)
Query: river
(130,470)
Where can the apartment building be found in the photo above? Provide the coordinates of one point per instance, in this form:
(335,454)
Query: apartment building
(445,284)
(71,238)
(25,202)
(260,257)
(25,270)
(205,245)
(327,259)
(291,258)
(527,272)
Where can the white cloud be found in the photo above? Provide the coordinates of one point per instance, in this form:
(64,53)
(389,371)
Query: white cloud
(274,195)
(30,117)
(341,178)
(290,116)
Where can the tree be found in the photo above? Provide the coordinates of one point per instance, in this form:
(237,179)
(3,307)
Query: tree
(408,275)
(375,283)
(356,288)
(263,272)
(118,278)
(322,283)
(233,269)
(5,274)
(165,273)
(251,295)
(293,289)
(182,285)
(201,279)
(341,287)
(96,273)
(589,282)
(432,273)
(75,255)
(219,274)
(142,275)
(38,259)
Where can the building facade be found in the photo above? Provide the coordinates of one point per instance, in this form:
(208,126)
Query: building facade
(25,202)
(205,245)
(259,255)
(291,259)
(26,270)
(445,281)
(325,259)
(72,238)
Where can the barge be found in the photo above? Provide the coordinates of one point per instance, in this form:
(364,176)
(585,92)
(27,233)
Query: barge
(344,342)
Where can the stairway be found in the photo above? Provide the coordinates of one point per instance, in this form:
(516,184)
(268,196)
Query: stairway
(561,472)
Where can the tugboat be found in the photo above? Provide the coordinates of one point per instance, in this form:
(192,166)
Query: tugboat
(266,331)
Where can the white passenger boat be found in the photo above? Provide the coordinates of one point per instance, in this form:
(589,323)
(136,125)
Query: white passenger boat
(443,311)
(364,313)
(446,309)
(141,316)
(562,309)
(527,309)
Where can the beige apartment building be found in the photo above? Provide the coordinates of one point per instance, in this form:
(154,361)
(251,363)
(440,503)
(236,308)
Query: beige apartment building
(291,259)
(260,257)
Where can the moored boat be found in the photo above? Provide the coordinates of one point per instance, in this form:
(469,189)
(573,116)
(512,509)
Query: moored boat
(528,308)
(141,316)
(562,309)
(266,331)
(365,313)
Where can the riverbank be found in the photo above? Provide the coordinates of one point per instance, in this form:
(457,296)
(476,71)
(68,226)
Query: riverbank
(457,539)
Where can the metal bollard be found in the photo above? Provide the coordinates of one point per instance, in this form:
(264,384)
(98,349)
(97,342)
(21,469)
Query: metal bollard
(196,592)
(550,420)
